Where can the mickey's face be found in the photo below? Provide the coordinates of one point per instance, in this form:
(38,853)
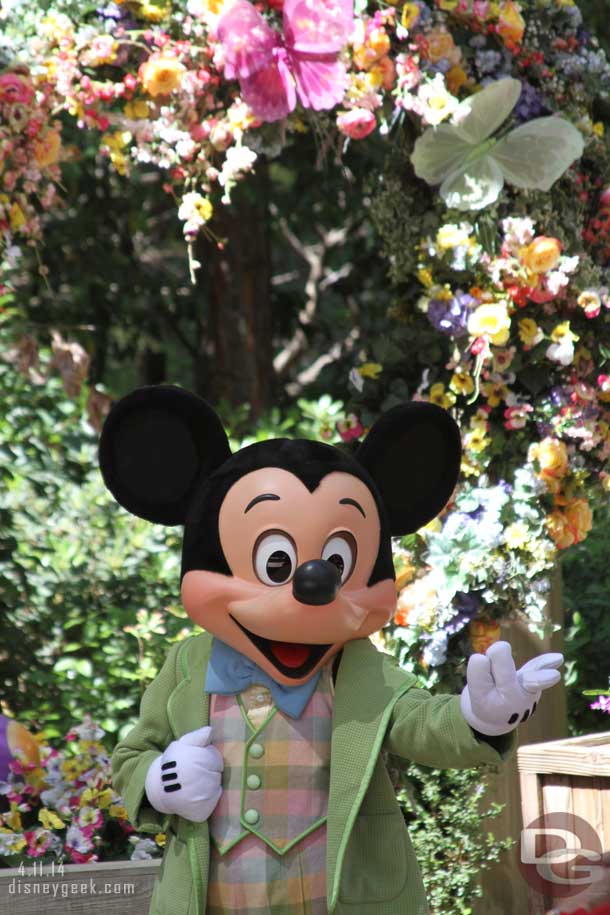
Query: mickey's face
(300,564)
(287,549)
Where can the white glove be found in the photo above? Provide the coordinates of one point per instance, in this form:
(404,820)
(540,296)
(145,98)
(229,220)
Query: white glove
(186,778)
(497,697)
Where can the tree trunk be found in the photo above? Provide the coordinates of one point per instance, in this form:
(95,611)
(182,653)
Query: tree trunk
(238,278)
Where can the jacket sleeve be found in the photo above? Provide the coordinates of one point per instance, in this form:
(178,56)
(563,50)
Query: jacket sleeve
(431,731)
(134,754)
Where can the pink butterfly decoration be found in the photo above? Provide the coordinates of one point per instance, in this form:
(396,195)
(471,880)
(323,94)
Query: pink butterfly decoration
(274,69)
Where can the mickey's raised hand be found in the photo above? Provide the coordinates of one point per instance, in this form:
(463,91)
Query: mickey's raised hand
(186,778)
(497,697)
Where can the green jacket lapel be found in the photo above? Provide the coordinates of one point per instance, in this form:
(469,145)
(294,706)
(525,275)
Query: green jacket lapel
(366,689)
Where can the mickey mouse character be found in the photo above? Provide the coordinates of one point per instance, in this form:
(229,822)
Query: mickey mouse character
(258,747)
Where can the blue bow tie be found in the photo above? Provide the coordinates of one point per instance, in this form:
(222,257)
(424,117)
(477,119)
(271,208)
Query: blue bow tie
(229,671)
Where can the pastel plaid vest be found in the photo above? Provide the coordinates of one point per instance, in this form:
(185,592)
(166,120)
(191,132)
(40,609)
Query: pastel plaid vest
(276,776)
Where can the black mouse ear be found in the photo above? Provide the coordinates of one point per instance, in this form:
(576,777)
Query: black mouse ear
(413,453)
(158,443)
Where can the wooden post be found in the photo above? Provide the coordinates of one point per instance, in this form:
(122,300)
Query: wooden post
(505,892)
(107,888)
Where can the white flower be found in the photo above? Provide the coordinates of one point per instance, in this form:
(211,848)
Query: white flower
(143,849)
(237,159)
(437,102)
(562,352)
(76,839)
(435,652)
(518,230)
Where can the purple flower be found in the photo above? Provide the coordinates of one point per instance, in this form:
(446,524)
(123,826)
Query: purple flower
(530,105)
(450,316)
(602,703)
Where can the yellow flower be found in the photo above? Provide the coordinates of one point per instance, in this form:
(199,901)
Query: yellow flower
(16,217)
(46,149)
(561,331)
(477,440)
(462,382)
(104,798)
(161,74)
(491,321)
(152,12)
(511,24)
(450,235)
(516,535)
(529,332)
(50,820)
(542,254)
(160,839)
(370,370)
(17,844)
(136,109)
(425,277)
(116,141)
(495,392)
(479,420)
(440,397)
(13,818)
(118,811)
(410,14)
(71,769)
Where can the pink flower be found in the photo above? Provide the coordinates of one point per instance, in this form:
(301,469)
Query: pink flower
(516,417)
(357,123)
(38,841)
(14,89)
(350,428)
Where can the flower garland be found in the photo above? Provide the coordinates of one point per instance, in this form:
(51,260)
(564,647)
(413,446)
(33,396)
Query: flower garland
(508,276)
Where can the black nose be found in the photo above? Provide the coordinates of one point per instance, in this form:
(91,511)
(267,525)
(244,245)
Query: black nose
(316,582)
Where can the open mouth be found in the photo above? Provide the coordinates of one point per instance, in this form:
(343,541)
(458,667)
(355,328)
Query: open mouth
(293,659)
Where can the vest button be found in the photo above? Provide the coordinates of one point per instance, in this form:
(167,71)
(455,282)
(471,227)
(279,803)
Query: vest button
(256,750)
(251,817)
(253,782)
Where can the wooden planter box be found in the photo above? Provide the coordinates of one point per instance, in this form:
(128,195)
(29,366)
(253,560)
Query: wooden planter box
(570,776)
(112,888)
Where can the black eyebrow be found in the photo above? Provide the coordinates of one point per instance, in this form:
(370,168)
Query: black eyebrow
(354,503)
(264,498)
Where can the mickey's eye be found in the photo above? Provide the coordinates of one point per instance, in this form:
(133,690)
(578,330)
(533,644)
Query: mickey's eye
(274,558)
(341,551)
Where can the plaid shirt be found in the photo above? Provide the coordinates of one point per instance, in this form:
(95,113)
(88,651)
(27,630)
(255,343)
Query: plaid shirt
(268,831)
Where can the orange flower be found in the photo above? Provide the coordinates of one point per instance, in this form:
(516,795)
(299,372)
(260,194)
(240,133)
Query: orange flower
(483,633)
(440,46)
(161,74)
(455,79)
(542,254)
(552,456)
(580,518)
(46,149)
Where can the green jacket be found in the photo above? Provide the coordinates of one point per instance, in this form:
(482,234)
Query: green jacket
(370,863)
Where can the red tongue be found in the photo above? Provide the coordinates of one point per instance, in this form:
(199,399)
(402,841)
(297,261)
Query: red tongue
(290,654)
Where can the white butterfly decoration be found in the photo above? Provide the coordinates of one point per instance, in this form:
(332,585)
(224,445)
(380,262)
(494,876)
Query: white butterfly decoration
(471,166)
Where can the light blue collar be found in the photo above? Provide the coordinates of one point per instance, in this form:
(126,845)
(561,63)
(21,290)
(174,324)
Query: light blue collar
(229,671)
